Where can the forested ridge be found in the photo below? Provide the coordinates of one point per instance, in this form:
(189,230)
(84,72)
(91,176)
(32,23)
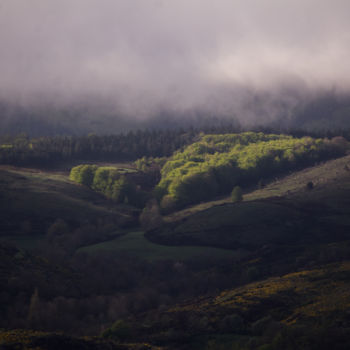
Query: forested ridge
(52,150)
(48,151)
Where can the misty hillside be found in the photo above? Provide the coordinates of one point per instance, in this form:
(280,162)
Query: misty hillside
(326,111)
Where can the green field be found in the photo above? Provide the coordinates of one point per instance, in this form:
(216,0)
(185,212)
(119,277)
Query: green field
(135,244)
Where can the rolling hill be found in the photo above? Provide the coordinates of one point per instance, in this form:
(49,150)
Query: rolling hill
(283,212)
(269,272)
(308,309)
(33,201)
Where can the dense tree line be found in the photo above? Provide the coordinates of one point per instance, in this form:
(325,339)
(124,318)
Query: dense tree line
(217,163)
(49,151)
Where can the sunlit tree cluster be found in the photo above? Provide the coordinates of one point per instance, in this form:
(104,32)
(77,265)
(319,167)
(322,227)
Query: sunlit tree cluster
(217,163)
(112,182)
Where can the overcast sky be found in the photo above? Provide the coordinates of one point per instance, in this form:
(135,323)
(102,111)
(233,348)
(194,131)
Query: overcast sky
(147,54)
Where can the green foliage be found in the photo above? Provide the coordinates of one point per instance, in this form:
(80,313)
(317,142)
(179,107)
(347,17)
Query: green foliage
(47,151)
(120,190)
(104,179)
(147,164)
(236,194)
(112,182)
(83,174)
(217,163)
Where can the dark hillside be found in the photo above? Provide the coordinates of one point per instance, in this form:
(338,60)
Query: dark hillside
(31,340)
(21,276)
(307,309)
(35,203)
(284,212)
(277,279)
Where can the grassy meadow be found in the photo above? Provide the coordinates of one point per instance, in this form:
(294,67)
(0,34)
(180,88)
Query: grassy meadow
(135,244)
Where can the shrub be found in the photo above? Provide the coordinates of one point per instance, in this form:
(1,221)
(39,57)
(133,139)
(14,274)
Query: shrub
(236,194)
(83,174)
(309,185)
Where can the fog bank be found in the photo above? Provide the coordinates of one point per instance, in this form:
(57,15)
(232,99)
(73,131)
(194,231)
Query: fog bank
(253,59)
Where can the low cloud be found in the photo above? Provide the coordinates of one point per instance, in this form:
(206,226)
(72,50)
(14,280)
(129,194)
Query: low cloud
(142,56)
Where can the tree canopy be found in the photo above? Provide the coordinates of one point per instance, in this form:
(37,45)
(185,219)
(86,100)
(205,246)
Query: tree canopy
(217,163)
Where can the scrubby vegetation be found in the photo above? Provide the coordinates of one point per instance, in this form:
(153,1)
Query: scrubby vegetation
(236,194)
(302,310)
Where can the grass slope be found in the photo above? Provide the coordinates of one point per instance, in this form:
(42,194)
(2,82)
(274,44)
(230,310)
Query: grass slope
(31,200)
(284,213)
(135,244)
(322,175)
